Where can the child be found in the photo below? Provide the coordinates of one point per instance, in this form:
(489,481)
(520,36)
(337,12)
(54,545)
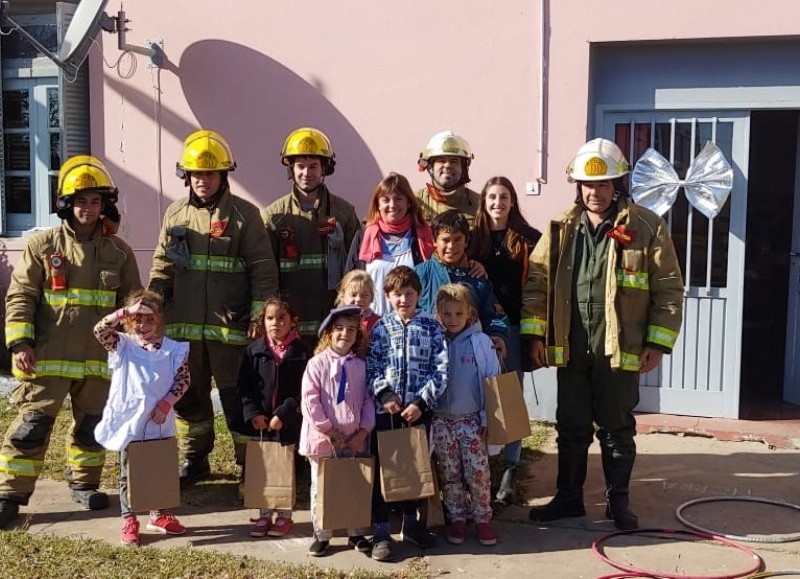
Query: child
(451,265)
(407,371)
(356,288)
(459,421)
(269,385)
(337,406)
(151,370)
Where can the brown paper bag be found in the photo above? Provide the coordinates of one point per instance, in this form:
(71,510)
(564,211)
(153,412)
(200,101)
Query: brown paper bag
(406,473)
(344,493)
(269,476)
(148,491)
(432,512)
(506,412)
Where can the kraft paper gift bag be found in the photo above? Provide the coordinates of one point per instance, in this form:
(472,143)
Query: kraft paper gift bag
(432,512)
(153,474)
(269,477)
(506,412)
(406,472)
(344,493)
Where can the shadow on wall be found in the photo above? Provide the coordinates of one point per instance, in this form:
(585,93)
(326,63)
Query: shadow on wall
(256,102)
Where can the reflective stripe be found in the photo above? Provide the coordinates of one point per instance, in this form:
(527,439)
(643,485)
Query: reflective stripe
(19,331)
(629,362)
(67,369)
(308,328)
(197,332)
(535,326)
(216,263)
(82,458)
(80,297)
(308,261)
(661,336)
(20,466)
(633,279)
(193,429)
(255,309)
(555,355)
(239,438)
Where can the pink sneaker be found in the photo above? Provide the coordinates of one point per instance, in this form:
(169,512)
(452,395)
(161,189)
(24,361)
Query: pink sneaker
(486,534)
(130,531)
(165,523)
(456,532)
(260,526)
(281,527)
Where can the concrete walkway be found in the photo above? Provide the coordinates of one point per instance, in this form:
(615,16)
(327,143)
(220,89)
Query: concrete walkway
(670,470)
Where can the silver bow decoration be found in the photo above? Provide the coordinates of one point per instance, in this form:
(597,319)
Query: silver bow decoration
(708,183)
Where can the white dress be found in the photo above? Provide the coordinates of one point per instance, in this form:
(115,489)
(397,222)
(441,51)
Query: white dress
(140,379)
(395,251)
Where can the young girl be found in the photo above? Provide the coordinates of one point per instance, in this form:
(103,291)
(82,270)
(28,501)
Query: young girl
(357,289)
(269,385)
(458,429)
(502,240)
(338,410)
(152,371)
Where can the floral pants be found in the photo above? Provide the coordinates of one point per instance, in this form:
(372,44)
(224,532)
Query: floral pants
(462,456)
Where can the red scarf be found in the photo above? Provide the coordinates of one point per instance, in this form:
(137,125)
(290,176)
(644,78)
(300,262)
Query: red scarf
(371,245)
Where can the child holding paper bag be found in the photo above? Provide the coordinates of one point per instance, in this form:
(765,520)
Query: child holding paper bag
(459,420)
(338,409)
(149,368)
(269,385)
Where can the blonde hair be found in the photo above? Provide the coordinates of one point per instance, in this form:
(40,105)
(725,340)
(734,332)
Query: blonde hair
(456,293)
(359,347)
(152,300)
(356,277)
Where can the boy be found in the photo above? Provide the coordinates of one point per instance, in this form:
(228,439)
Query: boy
(450,264)
(407,372)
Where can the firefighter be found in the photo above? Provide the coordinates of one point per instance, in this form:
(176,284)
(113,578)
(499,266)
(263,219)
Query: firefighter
(214,266)
(447,158)
(603,303)
(69,277)
(311,229)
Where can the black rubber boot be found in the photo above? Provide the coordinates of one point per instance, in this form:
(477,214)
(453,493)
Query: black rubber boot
(505,494)
(9,510)
(617,470)
(568,501)
(194,470)
(90,499)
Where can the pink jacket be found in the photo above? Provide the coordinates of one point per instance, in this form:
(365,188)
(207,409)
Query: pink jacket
(321,413)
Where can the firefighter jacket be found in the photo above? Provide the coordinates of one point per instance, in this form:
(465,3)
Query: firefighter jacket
(215,268)
(59,289)
(643,294)
(311,247)
(434,201)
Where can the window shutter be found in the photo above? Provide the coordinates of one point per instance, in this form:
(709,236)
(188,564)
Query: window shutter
(74,110)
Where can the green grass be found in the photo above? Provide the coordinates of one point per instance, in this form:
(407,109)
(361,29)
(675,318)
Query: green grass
(26,556)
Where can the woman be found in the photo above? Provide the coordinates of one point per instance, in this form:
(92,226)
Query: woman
(395,234)
(502,241)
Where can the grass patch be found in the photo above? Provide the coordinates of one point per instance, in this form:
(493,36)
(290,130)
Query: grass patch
(531,452)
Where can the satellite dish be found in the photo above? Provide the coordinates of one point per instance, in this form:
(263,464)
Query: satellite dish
(85,25)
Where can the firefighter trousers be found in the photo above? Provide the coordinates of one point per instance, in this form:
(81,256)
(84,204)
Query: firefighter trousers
(195,412)
(38,402)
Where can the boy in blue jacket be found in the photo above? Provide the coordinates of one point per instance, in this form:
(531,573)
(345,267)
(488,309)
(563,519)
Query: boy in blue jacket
(450,264)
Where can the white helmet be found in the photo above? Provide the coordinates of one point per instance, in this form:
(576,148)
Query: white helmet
(445,144)
(598,160)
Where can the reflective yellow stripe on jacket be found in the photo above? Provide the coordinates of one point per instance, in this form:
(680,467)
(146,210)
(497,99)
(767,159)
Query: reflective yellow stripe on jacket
(19,331)
(535,326)
(20,466)
(82,458)
(80,297)
(629,362)
(216,263)
(304,262)
(661,336)
(633,279)
(193,429)
(67,369)
(197,332)
(308,328)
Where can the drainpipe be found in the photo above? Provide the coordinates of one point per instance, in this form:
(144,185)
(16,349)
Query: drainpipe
(535,187)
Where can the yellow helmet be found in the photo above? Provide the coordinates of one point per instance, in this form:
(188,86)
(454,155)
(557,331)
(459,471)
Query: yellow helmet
(598,160)
(309,142)
(445,144)
(205,150)
(85,173)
